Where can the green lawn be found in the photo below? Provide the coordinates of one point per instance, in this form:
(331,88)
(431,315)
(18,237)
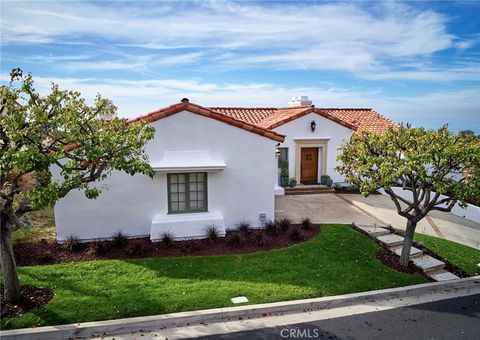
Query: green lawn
(337,261)
(462,256)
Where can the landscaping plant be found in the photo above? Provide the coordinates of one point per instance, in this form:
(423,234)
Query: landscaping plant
(306,223)
(271,227)
(72,243)
(167,239)
(284,223)
(212,233)
(436,167)
(244,228)
(119,240)
(56,133)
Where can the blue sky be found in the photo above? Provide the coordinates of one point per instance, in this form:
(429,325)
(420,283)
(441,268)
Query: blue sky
(414,62)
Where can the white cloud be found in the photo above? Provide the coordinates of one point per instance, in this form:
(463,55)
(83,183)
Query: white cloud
(332,36)
(459,108)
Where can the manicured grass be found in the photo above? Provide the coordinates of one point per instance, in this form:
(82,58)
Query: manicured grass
(43,227)
(460,255)
(337,261)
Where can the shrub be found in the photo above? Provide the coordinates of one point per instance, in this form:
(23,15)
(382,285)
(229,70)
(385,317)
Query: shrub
(306,223)
(292,182)
(271,227)
(97,248)
(235,241)
(295,234)
(337,186)
(284,223)
(119,240)
(72,243)
(135,249)
(324,178)
(260,240)
(212,233)
(244,228)
(329,182)
(284,174)
(190,246)
(167,239)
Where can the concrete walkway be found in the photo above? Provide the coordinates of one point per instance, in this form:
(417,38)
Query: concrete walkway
(320,208)
(375,209)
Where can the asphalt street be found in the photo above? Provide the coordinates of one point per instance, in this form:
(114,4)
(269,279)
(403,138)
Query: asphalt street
(457,318)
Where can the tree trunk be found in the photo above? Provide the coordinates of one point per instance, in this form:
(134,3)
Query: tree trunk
(9,268)
(407,243)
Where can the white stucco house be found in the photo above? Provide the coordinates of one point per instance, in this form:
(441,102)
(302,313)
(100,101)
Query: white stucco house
(215,166)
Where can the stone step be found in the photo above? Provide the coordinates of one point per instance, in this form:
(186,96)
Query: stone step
(308,191)
(442,275)
(390,240)
(374,231)
(427,263)
(414,252)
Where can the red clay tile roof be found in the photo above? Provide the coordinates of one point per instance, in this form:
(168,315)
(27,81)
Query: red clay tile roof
(197,109)
(247,114)
(270,118)
(362,119)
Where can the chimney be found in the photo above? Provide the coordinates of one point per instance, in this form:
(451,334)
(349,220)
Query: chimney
(299,101)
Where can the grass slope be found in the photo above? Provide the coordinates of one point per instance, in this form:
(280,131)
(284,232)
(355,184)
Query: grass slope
(43,227)
(339,260)
(462,256)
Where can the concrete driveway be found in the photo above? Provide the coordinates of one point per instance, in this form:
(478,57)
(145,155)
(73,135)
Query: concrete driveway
(375,209)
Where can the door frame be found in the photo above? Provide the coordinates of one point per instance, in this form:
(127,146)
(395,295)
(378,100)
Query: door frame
(322,145)
(315,180)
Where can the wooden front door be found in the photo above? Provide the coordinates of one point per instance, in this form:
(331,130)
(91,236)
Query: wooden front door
(309,165)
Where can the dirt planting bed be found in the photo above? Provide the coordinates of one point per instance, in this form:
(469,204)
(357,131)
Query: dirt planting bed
(235,242)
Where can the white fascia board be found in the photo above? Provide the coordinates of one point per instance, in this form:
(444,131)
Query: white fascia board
(197,160)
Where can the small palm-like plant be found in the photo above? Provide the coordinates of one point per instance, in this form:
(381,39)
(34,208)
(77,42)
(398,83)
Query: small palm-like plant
(212,233)
(167,239)
(271,227)
(284,223)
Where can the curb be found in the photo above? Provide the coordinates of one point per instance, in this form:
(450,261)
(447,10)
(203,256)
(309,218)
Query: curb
(147,323)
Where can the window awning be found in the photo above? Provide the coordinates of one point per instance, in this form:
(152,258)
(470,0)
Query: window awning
(198,160)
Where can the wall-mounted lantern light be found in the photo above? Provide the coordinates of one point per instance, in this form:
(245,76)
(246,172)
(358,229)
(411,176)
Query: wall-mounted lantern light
(277,150)
(313,125)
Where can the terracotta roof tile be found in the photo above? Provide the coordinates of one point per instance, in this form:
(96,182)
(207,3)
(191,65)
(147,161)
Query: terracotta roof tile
(270,118)
(247,114)
(261,120)
(362,119)
(208,112)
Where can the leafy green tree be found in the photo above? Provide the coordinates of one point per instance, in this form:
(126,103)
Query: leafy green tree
(58,133)
(466,133)
(427,163)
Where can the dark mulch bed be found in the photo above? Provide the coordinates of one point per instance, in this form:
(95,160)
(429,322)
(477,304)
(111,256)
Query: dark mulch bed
(32,297)
(391,260)
(48,252)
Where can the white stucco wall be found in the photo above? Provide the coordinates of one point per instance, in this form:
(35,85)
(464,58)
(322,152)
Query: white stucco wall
(299,128)
(128,204)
